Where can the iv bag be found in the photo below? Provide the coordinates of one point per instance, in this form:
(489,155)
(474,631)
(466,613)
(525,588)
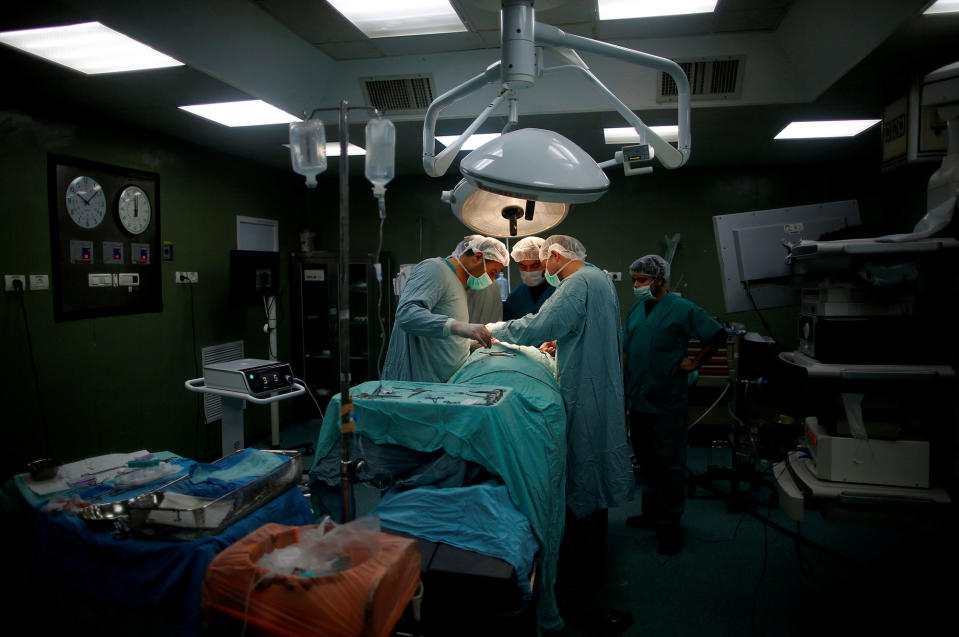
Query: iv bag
(308,149)
(380,153)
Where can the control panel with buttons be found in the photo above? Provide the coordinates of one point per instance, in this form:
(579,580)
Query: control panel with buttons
(249,375)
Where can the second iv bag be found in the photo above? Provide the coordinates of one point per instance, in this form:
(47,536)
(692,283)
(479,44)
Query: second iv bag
(308,149)
(380,153)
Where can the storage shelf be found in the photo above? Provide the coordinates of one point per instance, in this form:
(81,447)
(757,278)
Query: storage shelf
(817,370)
(316,324)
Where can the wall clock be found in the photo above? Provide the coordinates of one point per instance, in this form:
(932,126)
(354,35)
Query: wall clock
(104,239)
(134,210)
(86,204)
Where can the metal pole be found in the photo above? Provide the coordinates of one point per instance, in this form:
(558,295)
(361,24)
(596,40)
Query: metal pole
(343,307)
(273,353)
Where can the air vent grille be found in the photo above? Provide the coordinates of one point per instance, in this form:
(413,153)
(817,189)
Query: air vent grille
(212,407)
(724,76)
(709,79)
(399,93)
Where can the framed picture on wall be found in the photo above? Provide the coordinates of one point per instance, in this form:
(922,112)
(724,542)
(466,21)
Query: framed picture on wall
(104,239)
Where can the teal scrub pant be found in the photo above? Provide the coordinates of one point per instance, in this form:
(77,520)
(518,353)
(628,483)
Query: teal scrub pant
(659,442)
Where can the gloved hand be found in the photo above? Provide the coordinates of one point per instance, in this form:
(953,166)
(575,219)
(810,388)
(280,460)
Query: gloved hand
(473,331)
(549,347)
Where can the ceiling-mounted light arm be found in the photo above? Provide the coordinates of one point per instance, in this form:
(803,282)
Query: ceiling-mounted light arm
(513,113)
(646,134)
(436,165)
(619,158)
(442,161)
(669,156)
(570,56)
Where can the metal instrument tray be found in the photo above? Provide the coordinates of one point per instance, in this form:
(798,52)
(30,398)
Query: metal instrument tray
(148,515)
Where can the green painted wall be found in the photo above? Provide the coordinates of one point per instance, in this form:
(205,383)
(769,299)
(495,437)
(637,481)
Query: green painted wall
(116,384)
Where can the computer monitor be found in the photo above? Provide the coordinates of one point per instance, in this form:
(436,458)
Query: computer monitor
(752,250)
(253,275)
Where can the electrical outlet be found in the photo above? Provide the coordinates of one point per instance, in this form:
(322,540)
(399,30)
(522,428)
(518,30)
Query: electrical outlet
(187,277)
(615,276)
(8,280)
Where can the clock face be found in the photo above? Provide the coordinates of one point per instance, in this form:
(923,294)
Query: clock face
(86,203)
(134,210)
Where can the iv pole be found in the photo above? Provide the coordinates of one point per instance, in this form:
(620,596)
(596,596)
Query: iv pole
(347,422)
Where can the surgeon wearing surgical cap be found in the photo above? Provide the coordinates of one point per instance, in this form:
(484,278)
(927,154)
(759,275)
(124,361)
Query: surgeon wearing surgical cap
(583,317)
(528,297)
(432,331)
(655,340)
(484,305)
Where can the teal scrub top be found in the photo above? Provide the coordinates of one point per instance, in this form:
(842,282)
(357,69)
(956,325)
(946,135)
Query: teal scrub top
(520,301)
(583,317)
(421,349)
(655,346)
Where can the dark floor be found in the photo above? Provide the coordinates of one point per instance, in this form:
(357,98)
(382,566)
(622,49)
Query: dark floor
(743,572)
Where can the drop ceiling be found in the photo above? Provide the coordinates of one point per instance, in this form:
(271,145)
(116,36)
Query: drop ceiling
(804,59)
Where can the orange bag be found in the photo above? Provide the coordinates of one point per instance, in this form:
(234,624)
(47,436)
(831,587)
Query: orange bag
(367,599)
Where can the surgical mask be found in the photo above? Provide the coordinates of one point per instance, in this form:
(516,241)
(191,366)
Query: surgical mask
(533,278)
(553,279)
(477,282)
(643,293)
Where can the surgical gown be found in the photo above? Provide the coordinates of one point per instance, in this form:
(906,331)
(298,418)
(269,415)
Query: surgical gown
(521,302)
(582,316)
(420,347)
(484,306)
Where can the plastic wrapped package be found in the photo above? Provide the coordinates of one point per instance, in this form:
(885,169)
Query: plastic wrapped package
(380,576)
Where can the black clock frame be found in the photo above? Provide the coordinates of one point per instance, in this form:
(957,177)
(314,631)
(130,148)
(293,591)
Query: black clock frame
(73,297)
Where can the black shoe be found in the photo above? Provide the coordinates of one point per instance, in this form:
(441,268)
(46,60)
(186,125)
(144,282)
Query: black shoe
(607,621)
(640,522)
(670,540)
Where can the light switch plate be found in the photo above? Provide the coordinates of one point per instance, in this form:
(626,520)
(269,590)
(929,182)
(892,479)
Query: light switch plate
(39,282)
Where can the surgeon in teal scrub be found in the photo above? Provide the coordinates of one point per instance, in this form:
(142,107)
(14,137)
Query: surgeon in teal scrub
(583,317)
(432,332)
(655,340)
(528,296)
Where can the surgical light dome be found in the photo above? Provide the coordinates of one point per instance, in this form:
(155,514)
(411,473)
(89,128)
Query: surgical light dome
(524,182)
(536,164)
(498,215)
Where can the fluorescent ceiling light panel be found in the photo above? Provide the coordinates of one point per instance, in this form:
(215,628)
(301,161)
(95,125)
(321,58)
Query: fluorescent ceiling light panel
(833,128)
(333,149)
(474,141)
(390,18)
(624,9)
(90,48)
(630,136)
(245,113)
(943,6)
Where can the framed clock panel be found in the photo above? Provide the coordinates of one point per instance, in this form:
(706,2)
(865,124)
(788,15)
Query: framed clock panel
(104,239)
